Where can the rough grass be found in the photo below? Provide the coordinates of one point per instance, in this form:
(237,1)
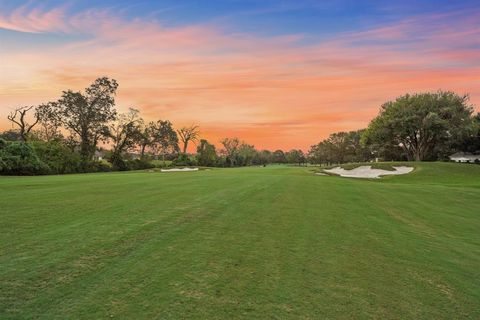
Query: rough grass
(275,242)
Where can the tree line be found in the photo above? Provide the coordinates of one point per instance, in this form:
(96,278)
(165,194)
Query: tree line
(64,136)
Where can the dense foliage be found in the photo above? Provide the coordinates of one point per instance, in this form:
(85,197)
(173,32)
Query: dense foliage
(19,158)
(428,126)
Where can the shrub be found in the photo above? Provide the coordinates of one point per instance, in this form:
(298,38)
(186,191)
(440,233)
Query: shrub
(161,163)
(18,158)
(184,160)
(59,158)
(139,164)
(100,166)
(118,163)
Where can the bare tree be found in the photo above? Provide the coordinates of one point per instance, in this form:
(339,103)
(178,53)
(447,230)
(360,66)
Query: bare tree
(188,134)
(18,117)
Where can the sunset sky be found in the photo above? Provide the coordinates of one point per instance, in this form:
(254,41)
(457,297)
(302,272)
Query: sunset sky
(275,73)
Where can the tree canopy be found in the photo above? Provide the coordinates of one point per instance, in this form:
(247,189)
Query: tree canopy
(87,115)
(425,125)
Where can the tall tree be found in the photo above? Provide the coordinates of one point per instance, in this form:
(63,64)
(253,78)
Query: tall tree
(19,117)
(87,115)
(188,134)
(424,125)
(278,156)
(231,149)
(165,139)
(296,156)
(50,121)
(145,136)
(262,157)
(124,133)
(246,153)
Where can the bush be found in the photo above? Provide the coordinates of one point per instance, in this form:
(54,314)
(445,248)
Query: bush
(59,158)
(161,163)
(18,158)
(100,166)
(139,164)
(118,163)
(221,162)
(184,160)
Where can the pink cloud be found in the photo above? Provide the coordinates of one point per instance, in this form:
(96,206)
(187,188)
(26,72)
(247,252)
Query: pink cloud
(273,92)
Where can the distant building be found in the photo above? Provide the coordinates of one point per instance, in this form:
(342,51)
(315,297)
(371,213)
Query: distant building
(99,155)
(465,157)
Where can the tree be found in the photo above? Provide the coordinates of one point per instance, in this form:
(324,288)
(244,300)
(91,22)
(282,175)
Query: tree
(206,153)
(472,142)
(87,115)
(340,147)
(278,156)
(424,125)
(296,156)
(18,117)
(262,157)
(50,121)
(230,146)
(188,134)
(124,133)
(319,153)
(246,153)
(145,136)
(165,138)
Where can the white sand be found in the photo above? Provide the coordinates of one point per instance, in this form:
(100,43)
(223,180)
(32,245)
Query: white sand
(179,170)
(368,172)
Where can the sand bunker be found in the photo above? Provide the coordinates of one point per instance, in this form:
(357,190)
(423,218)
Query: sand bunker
(368,172)
(179,169)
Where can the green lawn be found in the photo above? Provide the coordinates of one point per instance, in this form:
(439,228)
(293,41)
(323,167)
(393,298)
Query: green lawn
(274,243)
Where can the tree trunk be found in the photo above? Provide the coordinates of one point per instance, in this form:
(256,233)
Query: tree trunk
(418,155)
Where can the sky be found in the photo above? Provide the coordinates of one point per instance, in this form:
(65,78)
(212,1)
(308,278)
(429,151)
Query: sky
(275,73)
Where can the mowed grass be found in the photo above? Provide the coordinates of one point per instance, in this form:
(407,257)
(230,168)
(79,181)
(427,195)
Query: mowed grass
(272,243)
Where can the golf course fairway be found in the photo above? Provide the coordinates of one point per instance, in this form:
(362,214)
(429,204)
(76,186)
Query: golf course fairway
(273,243)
